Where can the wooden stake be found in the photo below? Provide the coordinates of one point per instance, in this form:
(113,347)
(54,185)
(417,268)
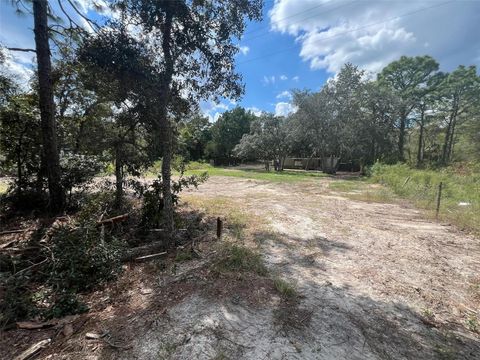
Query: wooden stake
(439,196)
(219,228)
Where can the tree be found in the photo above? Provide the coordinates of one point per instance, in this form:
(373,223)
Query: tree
(267,140)
(195,133)
(459,93)
(408,77)
(227,132)
(47,106)
(191,56)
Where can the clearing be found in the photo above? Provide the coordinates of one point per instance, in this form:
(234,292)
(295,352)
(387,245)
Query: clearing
(355,279)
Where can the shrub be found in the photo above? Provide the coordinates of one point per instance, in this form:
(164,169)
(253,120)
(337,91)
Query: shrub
(83,257)
(153,197)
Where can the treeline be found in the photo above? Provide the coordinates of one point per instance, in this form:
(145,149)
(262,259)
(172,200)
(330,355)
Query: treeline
(411,112)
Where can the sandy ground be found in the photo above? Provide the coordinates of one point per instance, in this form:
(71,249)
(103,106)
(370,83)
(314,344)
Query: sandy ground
(376,281)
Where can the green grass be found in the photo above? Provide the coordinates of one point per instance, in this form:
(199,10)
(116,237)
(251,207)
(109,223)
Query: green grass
(238,258)
(460,201)
(287,176)
(285,289)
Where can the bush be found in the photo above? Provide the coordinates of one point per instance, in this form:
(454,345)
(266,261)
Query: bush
(153,197)
(83,257)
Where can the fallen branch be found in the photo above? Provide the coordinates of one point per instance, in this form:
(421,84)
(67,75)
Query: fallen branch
(32,350)
(8,243)
(16,231)
(150,257)
(113,220)
(31,325)
(140,251)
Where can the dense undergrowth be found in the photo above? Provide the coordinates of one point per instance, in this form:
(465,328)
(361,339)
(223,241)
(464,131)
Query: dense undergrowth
(460,199)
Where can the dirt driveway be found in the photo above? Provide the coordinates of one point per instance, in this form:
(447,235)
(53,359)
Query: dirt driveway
(373,281)
(376,281)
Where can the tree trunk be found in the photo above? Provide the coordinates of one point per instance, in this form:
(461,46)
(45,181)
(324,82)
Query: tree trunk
(165,127)
(420,139)
(118,176)
(446,144)
(401,137)
(47,106)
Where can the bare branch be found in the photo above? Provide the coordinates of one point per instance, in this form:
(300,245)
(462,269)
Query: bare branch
(21,49)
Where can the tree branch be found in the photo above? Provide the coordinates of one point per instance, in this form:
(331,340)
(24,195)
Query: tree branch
(21,49)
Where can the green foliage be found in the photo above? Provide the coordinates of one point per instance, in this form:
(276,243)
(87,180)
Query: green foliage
(268,139)
(152,209)
(16,301)
(65,303)
(226,133)
(82,257)
(460,202)
(237,259)
(78,170)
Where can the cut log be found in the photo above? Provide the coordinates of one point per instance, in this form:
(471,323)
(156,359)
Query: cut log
(113,220)
(32,350)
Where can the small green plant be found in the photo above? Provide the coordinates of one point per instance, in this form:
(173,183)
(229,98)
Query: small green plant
(184,256)
(285,289)
(472,324)
(82,257)
(236,259)
(428,314)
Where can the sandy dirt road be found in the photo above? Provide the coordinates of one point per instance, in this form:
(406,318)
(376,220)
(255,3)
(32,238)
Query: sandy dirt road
(376,281)
(373,280)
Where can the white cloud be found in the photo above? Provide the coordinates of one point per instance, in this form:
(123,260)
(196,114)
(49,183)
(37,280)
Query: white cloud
(20,72)
(256,111)
(284,109)
(283,77)
(284,95)
(267,80)
(244,49)
(372,34)
(213,110)
(296,78)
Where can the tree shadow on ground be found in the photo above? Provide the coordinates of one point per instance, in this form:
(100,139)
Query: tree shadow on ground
(163,310)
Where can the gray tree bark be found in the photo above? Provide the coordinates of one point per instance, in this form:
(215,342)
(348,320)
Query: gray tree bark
(47,106)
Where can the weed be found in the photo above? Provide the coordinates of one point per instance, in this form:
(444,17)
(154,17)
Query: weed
(184,256)
(285,289)
(460,201)
(237,259)
(472,324)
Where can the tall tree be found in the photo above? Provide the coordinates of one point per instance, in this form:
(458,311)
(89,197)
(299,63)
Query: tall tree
(227,132)
(268,140)
(460,93)
(191,48)
(47,105)
(408,77)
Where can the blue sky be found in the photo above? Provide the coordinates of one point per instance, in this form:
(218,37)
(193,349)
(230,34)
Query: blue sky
(302,43)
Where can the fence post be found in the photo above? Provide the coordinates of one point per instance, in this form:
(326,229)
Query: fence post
(219,227)
(439,196)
